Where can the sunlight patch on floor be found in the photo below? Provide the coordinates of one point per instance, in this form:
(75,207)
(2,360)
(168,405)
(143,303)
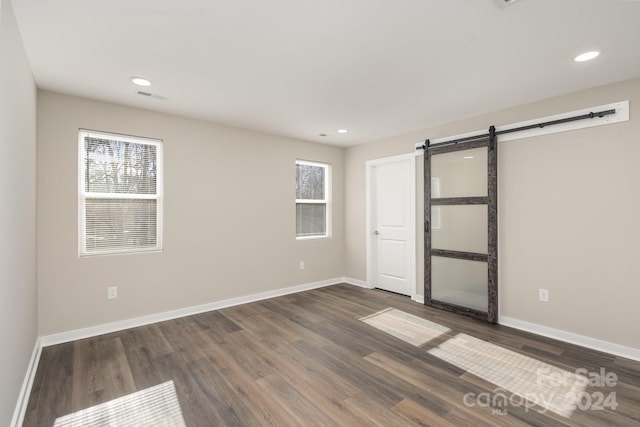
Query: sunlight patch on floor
(407,327)
(154,406)
(551,388)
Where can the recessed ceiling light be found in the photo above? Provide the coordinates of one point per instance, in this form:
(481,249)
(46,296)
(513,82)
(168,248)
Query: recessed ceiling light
(468,157)
(587,56)
(141,81)
(342,131)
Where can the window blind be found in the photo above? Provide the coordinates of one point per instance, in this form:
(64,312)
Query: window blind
(120,193)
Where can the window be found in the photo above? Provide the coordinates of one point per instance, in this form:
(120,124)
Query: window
(120,194)
(313,213)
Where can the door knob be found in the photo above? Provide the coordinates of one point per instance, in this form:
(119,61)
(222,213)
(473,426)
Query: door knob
(376,232)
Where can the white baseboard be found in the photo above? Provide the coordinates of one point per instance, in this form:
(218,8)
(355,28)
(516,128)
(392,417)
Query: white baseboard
(356,282)
(569,337)
(27,384)
(93,331)
(363,284)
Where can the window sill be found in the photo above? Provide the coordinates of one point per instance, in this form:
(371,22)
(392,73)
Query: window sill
(125,252)
(312,237)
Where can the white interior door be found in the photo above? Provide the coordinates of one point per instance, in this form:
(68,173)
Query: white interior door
(392,192)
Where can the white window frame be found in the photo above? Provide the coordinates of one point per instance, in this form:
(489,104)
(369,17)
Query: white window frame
(326,201)
(83,195)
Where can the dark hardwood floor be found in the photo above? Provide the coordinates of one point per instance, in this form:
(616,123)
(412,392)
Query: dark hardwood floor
(307,359)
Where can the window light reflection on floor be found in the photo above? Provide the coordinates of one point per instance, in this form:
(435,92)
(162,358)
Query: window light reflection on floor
(409,328)
(155,406)
(551,388)
(548,386)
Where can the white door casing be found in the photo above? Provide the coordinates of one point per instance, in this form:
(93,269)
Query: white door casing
(391,224)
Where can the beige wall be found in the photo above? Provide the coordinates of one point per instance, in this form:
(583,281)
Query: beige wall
(568,215)
(17,212)
(229,218)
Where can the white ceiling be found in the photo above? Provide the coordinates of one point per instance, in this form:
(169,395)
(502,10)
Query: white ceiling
(299,68)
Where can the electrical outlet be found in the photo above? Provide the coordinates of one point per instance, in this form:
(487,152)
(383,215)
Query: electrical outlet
(112,292)
(301,265)
(543,295)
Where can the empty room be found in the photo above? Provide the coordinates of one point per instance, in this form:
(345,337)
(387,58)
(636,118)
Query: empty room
(327,213)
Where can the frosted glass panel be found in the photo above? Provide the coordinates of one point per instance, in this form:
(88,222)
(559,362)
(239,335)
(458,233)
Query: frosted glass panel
(459,228)
(460,282)
(459,174)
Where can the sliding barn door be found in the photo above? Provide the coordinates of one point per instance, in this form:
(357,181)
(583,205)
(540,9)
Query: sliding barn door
(461,228)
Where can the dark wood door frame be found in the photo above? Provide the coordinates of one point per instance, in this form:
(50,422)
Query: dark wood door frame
(491,200)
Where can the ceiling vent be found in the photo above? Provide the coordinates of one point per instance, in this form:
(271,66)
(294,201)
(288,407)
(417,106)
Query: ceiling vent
(504,3)
(150,95)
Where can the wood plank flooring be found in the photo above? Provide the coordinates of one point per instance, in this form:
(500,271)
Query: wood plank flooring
(306,359)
